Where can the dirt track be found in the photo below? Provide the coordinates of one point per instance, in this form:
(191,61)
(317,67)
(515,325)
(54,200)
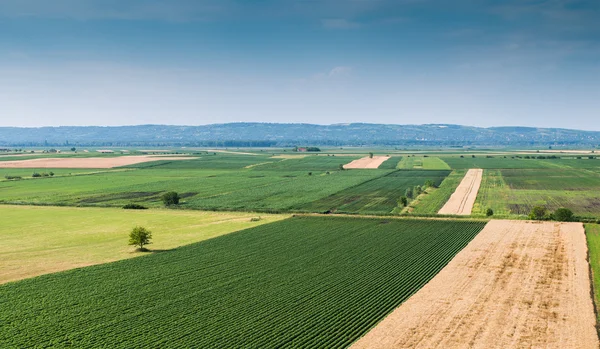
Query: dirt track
(100,162)
(462,200)
(367,162)
(516,285)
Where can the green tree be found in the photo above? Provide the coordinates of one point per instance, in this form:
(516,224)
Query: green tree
(429,184)
(140,236)
(341,167)
(563,215)
(408,193)
(538,213)
(404,201)
(371,155)
(170,198)
(489,212)
(418,190)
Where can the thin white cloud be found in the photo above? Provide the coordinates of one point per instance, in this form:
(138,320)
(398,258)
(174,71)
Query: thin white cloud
(339,70)
(339,23)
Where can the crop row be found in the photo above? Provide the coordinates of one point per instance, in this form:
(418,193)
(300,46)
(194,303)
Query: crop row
(304,282)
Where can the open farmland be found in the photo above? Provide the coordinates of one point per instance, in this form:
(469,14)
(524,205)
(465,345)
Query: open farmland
(89,162)
(516,285)
(367,162)
(300,282)
(423,162)
(436,198)
(462,200)
(379,195)
(40,240)
(517,191)
(592,232)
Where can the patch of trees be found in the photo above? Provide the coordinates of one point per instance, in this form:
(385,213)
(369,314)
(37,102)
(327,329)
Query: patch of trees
(12,177)
(133,206)
(562,214)
(43,174)
(170,198)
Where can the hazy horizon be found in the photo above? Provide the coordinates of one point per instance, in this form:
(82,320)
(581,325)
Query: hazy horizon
(184,62)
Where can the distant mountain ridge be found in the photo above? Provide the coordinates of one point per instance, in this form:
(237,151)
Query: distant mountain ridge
(279,134)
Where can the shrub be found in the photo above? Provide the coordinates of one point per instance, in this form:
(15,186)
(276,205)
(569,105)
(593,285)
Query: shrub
(489,212)
(36,175)
(538,213)
(12,177)
(563,215)
(133,206)
(170,198)
(404,201)
(255,219)
(408,193)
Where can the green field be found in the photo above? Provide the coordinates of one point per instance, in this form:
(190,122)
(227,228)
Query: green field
(40,240)
(435,198)
(592,232)
(379,195)
(424,163)
(516,192)
(301,282)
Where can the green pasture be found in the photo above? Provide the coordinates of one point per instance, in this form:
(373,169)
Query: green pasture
(40,240)
(377,196)
(301,282)
(423,162)
(435,198)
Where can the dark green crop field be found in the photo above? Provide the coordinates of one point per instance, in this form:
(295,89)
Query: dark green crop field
(379,195)
(498,162)
(304,282)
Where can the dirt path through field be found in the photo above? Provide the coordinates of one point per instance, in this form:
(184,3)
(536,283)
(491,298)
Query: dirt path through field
(518,284)
(462,200)
(99,162)
(367,162)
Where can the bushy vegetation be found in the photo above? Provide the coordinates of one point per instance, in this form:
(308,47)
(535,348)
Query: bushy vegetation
(133,206)
(302,282)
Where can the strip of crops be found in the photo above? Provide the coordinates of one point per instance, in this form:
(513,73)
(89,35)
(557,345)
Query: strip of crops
(305,282)
(379,196)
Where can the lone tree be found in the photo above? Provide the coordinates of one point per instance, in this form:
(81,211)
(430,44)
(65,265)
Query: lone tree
(170,198)
(563,215)
(341,167)
(489,212)
(404,201)
(408,193)
(538,213)
(371,155)
(140,236)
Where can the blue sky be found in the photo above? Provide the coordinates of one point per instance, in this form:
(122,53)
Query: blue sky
(192,62)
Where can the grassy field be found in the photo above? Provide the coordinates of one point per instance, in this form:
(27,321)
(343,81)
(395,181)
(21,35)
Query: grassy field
(517,191)
(592,232)
(424,163)
(302,282)
(391,163)
(377,196)
(435,198)
(40,240)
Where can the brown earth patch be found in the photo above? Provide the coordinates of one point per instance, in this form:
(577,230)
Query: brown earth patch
(462,200)
(367,162)
(518,284)
(107,162)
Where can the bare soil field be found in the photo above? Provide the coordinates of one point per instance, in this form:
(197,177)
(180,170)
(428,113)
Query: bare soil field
(462,200)
(366,162)
(518,284)
(87,162)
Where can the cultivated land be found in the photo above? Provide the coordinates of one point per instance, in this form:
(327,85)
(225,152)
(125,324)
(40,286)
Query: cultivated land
(367,162)
(516,285)
(301,282)
(40,240)
(91,162)
(461,202)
